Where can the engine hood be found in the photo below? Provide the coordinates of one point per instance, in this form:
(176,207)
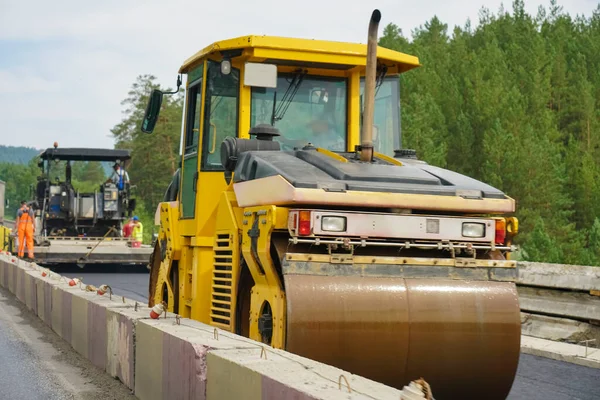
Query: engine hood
(313,169)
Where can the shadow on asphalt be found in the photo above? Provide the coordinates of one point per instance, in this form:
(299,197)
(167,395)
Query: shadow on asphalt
(98,268)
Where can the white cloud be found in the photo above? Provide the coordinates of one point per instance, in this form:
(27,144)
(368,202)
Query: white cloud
(85,55)
(24,80)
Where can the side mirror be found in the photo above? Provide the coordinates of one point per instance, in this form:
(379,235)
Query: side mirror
(152,111)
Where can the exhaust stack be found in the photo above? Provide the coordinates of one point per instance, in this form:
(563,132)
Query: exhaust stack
(366,152)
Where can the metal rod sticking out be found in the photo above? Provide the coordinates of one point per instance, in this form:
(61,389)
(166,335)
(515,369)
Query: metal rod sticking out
(366,152)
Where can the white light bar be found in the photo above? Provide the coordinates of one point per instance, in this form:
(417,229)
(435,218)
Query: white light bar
(394,226)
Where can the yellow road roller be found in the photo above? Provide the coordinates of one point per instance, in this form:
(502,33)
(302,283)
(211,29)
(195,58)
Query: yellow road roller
(297,219)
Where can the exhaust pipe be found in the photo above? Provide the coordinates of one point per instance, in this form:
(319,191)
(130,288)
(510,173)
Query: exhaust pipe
(366,147)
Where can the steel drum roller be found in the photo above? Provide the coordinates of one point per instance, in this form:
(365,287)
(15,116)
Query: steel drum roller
(463,337)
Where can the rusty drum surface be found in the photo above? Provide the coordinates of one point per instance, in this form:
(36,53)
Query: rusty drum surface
(463,337)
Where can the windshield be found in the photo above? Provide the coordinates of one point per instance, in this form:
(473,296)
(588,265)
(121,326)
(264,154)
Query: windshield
(386,120)
(84,176)
(307,110)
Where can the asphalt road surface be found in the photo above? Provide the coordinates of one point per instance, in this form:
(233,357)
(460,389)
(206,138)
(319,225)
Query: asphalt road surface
(537,378)
(35,363)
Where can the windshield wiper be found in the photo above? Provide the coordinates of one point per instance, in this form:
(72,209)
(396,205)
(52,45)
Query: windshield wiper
(277,114)
(380,78)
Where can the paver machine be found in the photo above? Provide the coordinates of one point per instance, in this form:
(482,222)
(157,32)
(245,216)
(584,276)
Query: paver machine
(299,220)
(83,227)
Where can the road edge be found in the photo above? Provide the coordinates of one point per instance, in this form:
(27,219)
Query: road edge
(560,351)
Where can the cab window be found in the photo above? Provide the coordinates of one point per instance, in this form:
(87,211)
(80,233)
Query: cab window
(386,115)
(220,113)
(193,116)
(308,109)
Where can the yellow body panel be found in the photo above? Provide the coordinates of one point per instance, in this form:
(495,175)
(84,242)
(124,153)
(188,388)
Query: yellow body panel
(4,238)
(342,53)
(268,288)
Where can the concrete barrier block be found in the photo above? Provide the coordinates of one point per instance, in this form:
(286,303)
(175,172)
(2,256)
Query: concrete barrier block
(184,368)
(20,288)
(12,277)
(43,294)
(558,329)
(70,312)
(180,370)
(79,322)
(30,291)
(121,339)
(44,301)
(4,271)
(228,379)
(148,362)
(2,268)
(561,303)
(277,374)
(61,312)
(561,276)
(97,324)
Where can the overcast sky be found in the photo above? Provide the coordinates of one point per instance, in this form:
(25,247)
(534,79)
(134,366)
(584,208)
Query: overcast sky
(66,65)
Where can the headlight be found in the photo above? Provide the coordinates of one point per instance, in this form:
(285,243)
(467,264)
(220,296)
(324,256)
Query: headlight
(473,229)
(333,224)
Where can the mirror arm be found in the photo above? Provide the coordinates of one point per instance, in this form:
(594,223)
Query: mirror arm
(178,85)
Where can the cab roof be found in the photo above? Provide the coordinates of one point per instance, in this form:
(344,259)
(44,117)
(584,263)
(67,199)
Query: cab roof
(301,52)
(85,154)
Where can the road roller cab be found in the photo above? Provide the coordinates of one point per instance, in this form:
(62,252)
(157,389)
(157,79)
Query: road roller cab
(299,220)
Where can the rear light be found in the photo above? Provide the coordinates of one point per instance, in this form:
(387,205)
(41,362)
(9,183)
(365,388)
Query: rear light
(500,231)
(304,227)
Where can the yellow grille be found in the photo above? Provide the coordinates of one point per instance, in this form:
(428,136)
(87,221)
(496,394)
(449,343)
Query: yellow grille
(220,310)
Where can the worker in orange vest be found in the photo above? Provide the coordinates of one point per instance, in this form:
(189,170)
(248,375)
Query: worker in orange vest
(26,228)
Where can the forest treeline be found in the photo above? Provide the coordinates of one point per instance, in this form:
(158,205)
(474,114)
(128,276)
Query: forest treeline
(17,154)
(514,102)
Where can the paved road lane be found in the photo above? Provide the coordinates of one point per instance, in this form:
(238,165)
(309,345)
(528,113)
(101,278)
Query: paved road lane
(131,282)
(131,285)
(537,378)
(22,376)
(540,378)
(35,363)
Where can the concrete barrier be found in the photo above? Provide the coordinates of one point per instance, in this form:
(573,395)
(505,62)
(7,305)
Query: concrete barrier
(576,305)
(560,302)
(559,276)
(175,358)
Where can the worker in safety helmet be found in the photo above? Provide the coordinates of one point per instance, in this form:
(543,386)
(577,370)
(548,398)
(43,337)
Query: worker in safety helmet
(25,228)
(120,177)
(137,233)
